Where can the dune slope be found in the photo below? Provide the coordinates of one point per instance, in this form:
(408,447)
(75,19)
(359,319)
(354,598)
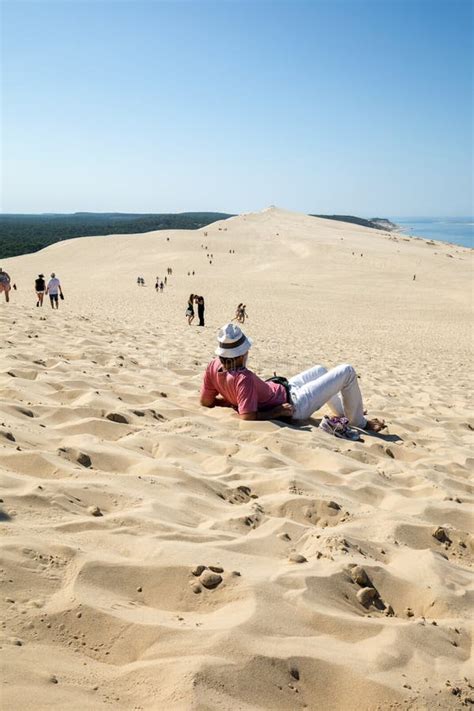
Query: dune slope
(116,484)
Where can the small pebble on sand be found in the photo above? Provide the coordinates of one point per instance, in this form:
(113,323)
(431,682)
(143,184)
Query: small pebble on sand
(84,460)
(297,558)
(94,511)
(216,569)
(117,417)
(359,576)
(366,596)
(441,535)
(210,580)
(198,570)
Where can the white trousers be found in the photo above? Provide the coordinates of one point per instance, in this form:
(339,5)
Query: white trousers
(337,387)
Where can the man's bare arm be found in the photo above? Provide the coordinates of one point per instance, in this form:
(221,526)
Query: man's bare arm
(213,401)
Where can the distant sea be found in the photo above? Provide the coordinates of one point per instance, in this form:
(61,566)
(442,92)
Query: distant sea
(459,230)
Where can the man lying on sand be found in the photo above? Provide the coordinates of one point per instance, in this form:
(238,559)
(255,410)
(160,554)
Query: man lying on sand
(229,383)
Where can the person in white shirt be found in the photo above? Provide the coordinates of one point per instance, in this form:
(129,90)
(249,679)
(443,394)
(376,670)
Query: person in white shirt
(54,290)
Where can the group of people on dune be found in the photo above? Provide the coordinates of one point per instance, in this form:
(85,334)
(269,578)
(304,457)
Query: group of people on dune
(240,313)
(200,304)
(52,289)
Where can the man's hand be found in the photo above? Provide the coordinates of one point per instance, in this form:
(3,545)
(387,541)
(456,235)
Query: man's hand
(285,410)
(220,402)
(208,401)
(213,401)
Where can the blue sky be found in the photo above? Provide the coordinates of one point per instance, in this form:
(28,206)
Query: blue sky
(339,106)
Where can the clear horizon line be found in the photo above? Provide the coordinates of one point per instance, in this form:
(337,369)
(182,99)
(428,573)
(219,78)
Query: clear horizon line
(225,212)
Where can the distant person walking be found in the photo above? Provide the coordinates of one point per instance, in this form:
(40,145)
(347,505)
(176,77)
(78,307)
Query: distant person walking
(237,313)
(200,307)
(5,284)
(190,309)
(40,288)
(240,313)
(54,291)
(157,284)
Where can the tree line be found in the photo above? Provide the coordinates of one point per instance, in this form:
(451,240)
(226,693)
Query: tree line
(22,234)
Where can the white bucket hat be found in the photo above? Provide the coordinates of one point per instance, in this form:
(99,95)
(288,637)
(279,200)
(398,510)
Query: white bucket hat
(232,342)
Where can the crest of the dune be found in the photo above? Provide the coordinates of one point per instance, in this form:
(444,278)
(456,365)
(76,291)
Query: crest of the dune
(274,217)
(272,211)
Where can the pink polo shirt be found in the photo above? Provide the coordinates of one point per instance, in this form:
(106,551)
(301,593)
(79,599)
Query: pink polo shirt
(241,388)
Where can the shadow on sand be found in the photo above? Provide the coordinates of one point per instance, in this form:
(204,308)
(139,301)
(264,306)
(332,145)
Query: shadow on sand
(4,516)
(310,424)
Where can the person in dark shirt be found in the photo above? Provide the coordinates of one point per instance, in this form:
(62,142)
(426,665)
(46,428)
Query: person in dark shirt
(40,288)
(200,305)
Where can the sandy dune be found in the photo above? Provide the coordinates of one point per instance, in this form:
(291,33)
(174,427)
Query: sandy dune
(99,408)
